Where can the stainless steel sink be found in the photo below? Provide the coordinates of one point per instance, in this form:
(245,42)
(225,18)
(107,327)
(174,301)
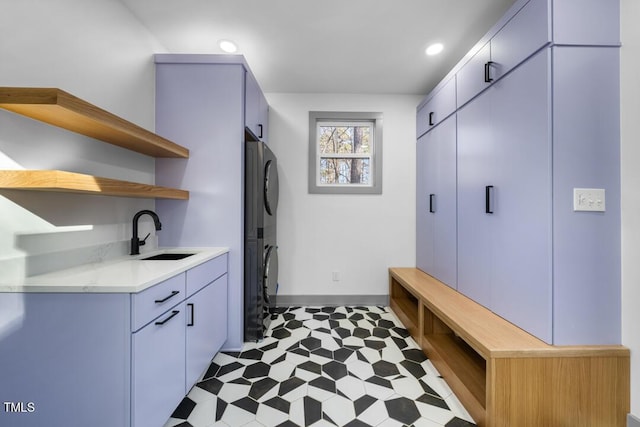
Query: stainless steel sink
(167,257)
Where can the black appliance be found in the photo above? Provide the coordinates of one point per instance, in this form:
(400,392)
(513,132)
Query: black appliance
(260,249)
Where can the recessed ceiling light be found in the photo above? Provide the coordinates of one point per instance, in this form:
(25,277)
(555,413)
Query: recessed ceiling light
(434,49)
(228,46)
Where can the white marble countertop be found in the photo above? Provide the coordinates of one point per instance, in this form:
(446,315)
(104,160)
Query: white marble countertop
(126,274)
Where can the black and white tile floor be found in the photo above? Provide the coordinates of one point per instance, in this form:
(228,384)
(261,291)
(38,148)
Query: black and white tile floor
(324,366)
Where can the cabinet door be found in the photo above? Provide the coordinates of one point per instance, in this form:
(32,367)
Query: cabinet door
(424,218)
(525,33)
(504,178)
(68,354)
(521,277)
(442,160)
(471,78)
(158,369)
(436,202)
(476,166)
(206,328)
(438,108)
(256,109)
(422,120)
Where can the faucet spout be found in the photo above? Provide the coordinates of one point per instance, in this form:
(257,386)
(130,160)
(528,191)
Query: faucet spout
(135,241)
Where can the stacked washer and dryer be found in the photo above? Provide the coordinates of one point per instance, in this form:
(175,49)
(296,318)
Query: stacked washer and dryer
(260,248)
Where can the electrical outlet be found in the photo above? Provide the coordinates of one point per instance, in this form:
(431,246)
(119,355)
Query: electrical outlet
(588,199)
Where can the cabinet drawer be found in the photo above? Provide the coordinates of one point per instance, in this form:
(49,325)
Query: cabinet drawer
(438,108)
(152,302)
(205,273)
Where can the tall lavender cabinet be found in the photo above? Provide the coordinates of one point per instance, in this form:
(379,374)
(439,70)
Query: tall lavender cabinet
(204,102)
(537,111)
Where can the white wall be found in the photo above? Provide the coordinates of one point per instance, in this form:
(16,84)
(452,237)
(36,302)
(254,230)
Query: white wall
(630,147)
(98,51)
(358,236)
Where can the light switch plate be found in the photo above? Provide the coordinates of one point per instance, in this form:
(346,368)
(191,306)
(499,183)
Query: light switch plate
(588,199)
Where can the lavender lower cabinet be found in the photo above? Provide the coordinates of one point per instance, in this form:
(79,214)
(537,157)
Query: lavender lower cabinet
(158,374)
(64,359)
(171,352)
(109,359)
(206,319)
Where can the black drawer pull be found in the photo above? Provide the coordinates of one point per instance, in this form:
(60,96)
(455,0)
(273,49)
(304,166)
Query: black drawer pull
(191,318)
(173,294)
(174,313)
(431,208)
(431,118)
(487,199)
(487,72)
(260,136)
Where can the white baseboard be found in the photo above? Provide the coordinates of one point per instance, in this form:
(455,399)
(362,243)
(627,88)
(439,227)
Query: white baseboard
(632,421)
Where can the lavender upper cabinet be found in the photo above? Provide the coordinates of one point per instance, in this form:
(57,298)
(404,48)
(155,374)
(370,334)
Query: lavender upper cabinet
(436,202)
(545,122)
(205,101)
(519,37)
(472,78)
(256,117)
(439,107)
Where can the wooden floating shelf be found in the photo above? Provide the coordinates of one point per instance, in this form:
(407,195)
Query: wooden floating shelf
(70,182)
(61,109)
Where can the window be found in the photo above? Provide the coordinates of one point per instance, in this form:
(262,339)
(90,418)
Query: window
(345,153)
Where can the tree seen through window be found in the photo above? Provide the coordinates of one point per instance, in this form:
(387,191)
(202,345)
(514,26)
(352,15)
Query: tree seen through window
(345,153)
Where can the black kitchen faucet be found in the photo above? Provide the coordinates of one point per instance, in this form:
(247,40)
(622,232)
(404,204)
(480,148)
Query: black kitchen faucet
(135,242)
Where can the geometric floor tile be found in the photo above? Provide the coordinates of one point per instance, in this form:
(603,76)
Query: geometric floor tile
(324,366)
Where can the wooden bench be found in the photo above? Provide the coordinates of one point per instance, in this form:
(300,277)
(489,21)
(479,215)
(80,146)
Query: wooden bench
(503,375)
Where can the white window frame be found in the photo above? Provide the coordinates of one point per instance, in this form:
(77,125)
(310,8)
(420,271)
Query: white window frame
(334,118)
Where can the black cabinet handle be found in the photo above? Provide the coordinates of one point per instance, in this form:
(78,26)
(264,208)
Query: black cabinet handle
(487,199)
(260,136)
(431,118)
(191,317)
(174,313)
(431,197)
(173,294)
(487,72)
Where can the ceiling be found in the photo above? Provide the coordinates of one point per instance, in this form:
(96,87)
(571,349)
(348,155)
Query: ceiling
(329,46)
